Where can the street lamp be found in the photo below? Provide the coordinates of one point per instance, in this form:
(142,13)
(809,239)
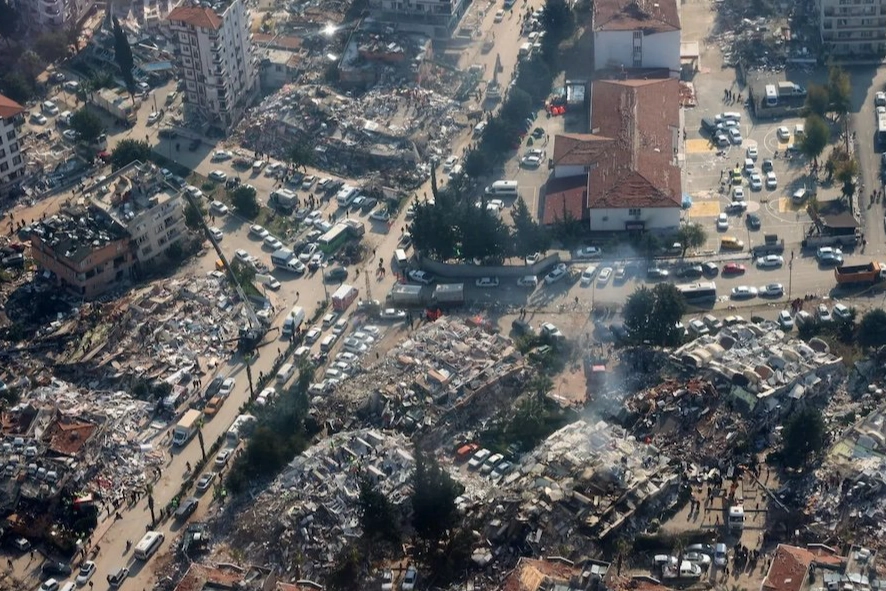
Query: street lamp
(790,274)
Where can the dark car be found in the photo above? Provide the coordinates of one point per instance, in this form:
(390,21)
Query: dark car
(753,221)
(335,274)
(690,272)
(710,269)
(187,508)
(767,165)
(54,567)
(521,327)
(656,273)
(709,125)
(214,386)
(369,204)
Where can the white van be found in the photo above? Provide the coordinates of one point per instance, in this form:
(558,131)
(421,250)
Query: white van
(401,258)
(479,128)
(293,320)
(148,545)
(285,373)
(327,342)
(346,195)
(771,95)
(503,188)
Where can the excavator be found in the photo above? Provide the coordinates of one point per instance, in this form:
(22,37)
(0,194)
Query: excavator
(253,332)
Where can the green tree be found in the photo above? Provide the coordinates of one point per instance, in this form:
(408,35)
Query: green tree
(839,90)
(872,328)
(691,236)
(433,498)
(9,20)
(818,100)
(31,64)
(433,227)
(476,163)
(651,315)
(244,200)
(348,569)
(378,519)
(803,437)
(87,124)
(130,150)
(518,106)
(18,86)
(193,215)
(816,137)
(535,78)
(123,57)
(557,19)
(529,236)
(481,233)
(52,47)
(567,228)
(846,172)
(300,155)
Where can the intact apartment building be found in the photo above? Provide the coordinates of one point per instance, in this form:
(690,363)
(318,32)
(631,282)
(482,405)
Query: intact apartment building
(853,27)
(131,219)
(12,164)
(218,61)
(437,19)
(54,15)
(630,34)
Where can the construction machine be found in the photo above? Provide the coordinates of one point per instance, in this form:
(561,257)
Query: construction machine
(254,331)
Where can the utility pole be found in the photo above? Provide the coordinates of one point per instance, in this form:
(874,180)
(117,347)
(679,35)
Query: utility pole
(790,274)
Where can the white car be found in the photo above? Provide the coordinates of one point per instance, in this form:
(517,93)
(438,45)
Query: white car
(784,134)
(216,233)
(499,16)
(409,579)
(722,222)
(772,290)
(559,272)
(533,258)
(770,261)
(422,277)
(193,191)
(530,162)
(313,335)
(153,117)
(824,315)
(841,312)
(258,231)
(221,155)
(242,256)
(478,459)
(219,207)
(699,328)
(272,243)
(735,136)
(743,292)
(588,252)
(604,276)
(527,281)
(755,181)
(771,180)
(587,276)
(38,119)
(450,163)
(227,387)
(752,152)
(698,558)
(87,569)
(392,314)
(487,282)
(50,108)
(308,251)
(785,321)
(222,458)
(218,175)
(738,194)
(70,135)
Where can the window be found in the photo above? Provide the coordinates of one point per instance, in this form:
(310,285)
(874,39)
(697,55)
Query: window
(11,135)
(4,167)
(638,34)
(17,160)
(2,152)
(634,212)
(13,147)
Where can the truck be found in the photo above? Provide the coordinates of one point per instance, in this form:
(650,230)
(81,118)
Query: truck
(448,294)
(283,200)
(293,321)
(790,89)
(187,427)
(868,273)
(343,297)
(406,295)
(355,227)
(771,245)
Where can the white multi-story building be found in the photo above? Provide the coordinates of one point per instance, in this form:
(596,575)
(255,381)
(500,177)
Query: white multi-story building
(219,63)
(435,18)
(12,164)
(637,34)
(53,15)
(853,27)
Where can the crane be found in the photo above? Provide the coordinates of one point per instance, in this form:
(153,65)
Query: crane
(252,334)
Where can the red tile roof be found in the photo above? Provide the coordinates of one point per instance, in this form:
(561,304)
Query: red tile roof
(199,575)
(197,16)
(68,435)
(530,574)
(649,16)
(789,569)
(568,194)
(9,108)
(278,41)
(579,149)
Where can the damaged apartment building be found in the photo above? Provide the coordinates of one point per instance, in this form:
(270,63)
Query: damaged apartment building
(102,240)
(372,57)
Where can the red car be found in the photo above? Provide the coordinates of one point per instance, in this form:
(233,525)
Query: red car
(733,269)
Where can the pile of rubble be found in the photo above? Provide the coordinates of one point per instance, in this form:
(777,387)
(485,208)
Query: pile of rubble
(311,508)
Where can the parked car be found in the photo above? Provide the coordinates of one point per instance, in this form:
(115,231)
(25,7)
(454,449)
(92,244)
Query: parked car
(743,292)
(588,252)
(87,569)
(218,175)
(558,273)
(187,508)
(336,274)
(824,315)
(475,462)
(655,273)
(785,320)
(55,567)
(604,276)
(422,277)
(487,282)
(392,314)
(772,290)
(841,312)
(587,276)
(223,457)
(770,261)
(205,481)
(733,269)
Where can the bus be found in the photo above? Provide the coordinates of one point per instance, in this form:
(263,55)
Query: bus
(148,545)
(334,238)
(703,292)
(881,130)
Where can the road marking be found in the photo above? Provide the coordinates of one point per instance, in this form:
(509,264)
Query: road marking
(699,146)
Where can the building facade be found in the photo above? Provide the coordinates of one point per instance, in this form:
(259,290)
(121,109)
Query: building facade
(853,27)
(219,61)
(634,34)
(54,15)
(435,18)
(12,163)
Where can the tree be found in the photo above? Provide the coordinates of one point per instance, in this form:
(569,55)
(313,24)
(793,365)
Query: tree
(244,200)
(872,328)
(518,106)
(300,156)
(839,90)
(433,498)
(348,568)
(200,440)
(556,19)
(804,437)
(31,64)
(481,233)
(433,228)
(529,236)
(816,136)
(129,151)
(123,56)
(567,228)
(691,236)
(52,47)
(9,19)
(377,516)
(818,100)
(87,124)
(18,86)
(476,163)
(194,212)
(651,315)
